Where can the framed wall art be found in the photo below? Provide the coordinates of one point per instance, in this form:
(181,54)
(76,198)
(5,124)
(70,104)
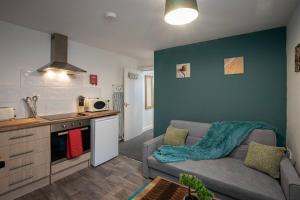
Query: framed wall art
(234,65)
(297,58)
(183,70)
(149,92)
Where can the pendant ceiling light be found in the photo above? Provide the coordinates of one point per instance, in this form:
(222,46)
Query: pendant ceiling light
(180,12)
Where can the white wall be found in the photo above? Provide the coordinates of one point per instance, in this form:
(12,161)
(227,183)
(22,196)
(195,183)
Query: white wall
(148,114)
(23,50)
(293,88)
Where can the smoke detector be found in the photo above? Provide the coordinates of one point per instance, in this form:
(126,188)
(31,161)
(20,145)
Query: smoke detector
(111,16)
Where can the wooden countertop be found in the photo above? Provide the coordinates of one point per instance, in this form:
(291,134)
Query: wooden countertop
(16,124)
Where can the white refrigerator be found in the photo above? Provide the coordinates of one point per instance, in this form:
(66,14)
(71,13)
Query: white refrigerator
(104,139)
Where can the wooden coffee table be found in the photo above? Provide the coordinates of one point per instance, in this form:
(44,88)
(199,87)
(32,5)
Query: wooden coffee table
(161,189)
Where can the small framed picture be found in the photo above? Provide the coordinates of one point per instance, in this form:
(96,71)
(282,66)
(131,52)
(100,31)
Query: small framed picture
(183,70)
(149,92)
(297,58)
(93,79)
(234,65)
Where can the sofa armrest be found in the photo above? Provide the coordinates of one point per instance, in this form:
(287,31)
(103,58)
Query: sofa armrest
(148,149)
(290,181)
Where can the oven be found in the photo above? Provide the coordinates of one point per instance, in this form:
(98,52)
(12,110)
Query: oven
(59,133)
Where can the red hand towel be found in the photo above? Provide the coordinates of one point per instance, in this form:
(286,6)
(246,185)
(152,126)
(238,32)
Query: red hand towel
(74,143)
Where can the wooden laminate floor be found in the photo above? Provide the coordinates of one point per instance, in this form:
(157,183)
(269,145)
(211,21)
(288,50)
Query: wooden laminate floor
(116,179)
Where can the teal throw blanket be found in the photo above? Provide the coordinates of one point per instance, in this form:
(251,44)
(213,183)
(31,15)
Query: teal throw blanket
(221,138)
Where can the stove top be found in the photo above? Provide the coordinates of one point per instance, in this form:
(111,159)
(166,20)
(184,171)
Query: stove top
(62,116)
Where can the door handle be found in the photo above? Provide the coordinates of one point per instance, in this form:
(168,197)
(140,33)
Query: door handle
(2,164)
(21,166)
(21,136)
(20,154)
(20,181)
(126,105)
(66,132)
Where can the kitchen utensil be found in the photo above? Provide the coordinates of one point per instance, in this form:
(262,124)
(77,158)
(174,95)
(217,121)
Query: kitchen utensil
(31,103)
(35,99)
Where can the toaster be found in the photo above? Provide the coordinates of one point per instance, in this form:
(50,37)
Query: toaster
(7,113)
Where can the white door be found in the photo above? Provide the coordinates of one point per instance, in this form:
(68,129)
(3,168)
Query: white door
(133,103)
(105,143)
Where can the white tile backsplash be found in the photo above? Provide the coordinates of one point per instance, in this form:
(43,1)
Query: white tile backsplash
(8,94)
(60,106)
(41,107)
(59,93)
(13,104)
(23,50)
(31,78)
(55,96)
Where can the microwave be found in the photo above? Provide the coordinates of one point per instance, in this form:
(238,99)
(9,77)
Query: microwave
(96,104)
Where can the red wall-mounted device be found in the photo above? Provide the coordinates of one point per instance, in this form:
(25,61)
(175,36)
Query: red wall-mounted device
(93,79)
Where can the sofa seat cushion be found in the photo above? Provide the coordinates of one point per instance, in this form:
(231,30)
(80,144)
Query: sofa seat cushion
(228,176)
(175,136)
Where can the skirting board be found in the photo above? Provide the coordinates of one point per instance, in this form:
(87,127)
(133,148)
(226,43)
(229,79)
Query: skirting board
(147,128)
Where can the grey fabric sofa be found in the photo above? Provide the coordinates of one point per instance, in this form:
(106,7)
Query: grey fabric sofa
(228,177)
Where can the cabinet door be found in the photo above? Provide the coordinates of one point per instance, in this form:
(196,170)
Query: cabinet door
(104,139)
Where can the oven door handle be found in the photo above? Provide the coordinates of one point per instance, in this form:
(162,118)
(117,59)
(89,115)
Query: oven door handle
(66,132)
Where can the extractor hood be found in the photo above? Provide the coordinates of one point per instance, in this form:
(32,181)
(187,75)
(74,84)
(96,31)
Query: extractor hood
(59,56)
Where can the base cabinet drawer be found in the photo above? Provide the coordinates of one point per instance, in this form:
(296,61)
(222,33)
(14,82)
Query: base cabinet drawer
(25,162)
(24,135)
(70,163)
(68,167)
(23,177)
(26,153)
(59,175)
(24,149)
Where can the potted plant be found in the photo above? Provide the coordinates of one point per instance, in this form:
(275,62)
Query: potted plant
(195,186)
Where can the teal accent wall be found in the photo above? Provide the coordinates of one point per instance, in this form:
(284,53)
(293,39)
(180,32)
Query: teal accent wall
(209,95)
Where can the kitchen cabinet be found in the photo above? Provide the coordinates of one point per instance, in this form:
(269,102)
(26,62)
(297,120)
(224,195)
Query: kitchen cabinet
(104,139)
(26,153)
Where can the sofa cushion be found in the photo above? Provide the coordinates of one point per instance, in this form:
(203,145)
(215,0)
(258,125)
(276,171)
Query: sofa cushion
(175,136)
(262,136)
(240,152)
(264,158)
(228,176)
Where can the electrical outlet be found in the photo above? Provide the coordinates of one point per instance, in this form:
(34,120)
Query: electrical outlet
(2,164)
(291,156)
(289,153)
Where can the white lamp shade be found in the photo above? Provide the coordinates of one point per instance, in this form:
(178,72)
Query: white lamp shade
(180,12)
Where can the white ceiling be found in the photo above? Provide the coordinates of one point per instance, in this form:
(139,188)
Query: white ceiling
(140,28)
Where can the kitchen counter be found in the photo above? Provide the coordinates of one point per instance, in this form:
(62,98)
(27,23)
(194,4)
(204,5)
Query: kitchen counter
(16,124)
